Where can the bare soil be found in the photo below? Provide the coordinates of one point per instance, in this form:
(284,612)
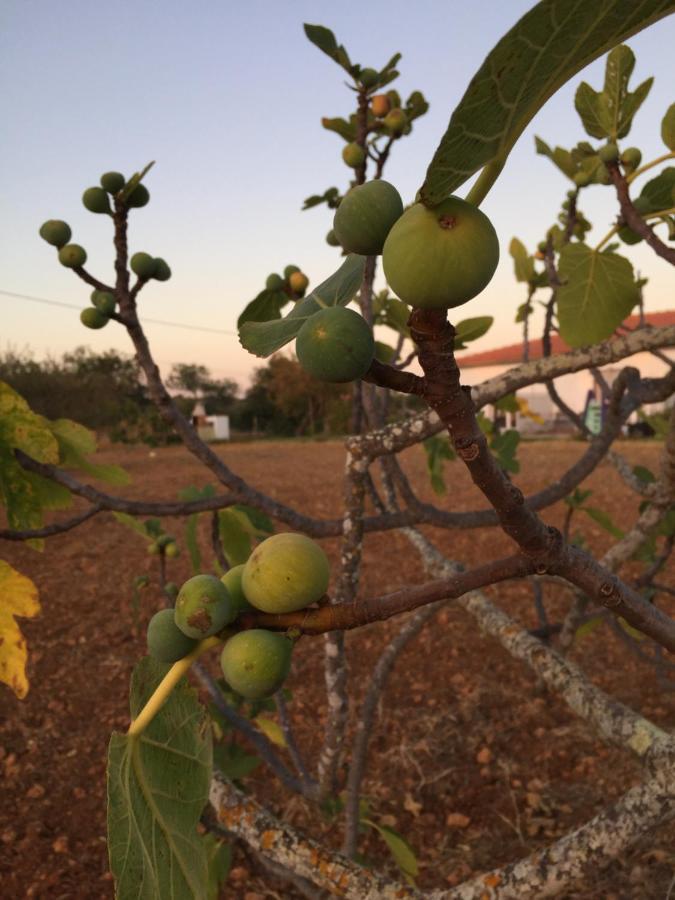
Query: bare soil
(470,761)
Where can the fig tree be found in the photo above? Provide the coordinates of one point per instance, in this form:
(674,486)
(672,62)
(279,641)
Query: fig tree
(166,642)
(441,257)
(354,155)
(203,607)
(232,581)
(55,232)
(284,573)
(366,215)
(335,344)
(104,301)
(395,121)
(162,270)
(112,182)
(140,196)
(380,106)
(274,282)
(72,256)
(256,662)
(93,318)
(143,265)
(298,282)
(368,77)
(96,200)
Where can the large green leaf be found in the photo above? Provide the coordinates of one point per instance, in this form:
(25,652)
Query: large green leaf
(264,338)
(609,113)
(158,786)
(598,292)
(75,441)
(550,44)
(668,127)
(659,193)
(234,536)
(267,305)
(471,329)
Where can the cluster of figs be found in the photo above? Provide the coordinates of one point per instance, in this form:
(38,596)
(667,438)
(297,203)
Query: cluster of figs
(285,573)
(433,258)
(73,256)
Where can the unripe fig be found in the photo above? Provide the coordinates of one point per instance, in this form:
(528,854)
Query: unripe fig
(289,270)
(72,256)
(166,642)
(171,591)
(274,282)
(284,573)
(380,105)
(441,257)
(162,270)
(369,77)
(165,539)
(354,155)
(332,238)
(631,158)
(93,318)
(298,282)
(256,662)
(628,236)
(395,121)
(232,581)
(104,301)
(541,246)
(203,607)
(140,196)
(153,547)
(582,179)
(112,182)
(366,215)
(609,153)
(96,200)
(55,232)
(172,550)
(335,344)
(143,265)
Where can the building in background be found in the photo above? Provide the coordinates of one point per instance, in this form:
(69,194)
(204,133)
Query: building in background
(210,428)
(580,390)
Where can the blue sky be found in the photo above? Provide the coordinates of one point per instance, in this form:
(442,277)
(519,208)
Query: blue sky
(227,98)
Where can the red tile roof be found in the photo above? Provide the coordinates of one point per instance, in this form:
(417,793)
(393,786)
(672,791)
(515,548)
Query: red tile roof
(513,354)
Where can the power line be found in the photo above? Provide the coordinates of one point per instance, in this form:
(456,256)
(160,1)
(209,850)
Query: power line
(184,325)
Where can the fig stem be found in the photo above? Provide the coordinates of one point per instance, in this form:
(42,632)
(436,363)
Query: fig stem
(167,684)
(484,182)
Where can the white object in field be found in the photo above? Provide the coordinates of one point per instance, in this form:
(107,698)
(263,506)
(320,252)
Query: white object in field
(220,426)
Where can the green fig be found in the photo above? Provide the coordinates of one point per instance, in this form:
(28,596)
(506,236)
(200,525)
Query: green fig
(96,200)
(203,607)
(143,265)
(609,153)
(256,662)
(369,77)
(112,182)
(631,159)
(354,155)
(289,270)
(285,572)
(366,215)
(166,642)
(55,232)
(104,301)
(140,196)
(274,282)
(93,318)
(232,581)
(332,238)
(162,270)
(72,256)
(395,121)
(336,345)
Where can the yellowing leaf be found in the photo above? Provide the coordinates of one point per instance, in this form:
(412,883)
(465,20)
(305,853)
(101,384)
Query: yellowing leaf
(524,410)
(271,730)
(18,597)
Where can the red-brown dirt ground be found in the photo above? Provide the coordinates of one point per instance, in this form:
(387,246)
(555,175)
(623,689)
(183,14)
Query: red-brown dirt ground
(470,760)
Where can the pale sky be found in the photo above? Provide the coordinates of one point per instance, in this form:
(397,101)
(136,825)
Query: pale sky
(227,98)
